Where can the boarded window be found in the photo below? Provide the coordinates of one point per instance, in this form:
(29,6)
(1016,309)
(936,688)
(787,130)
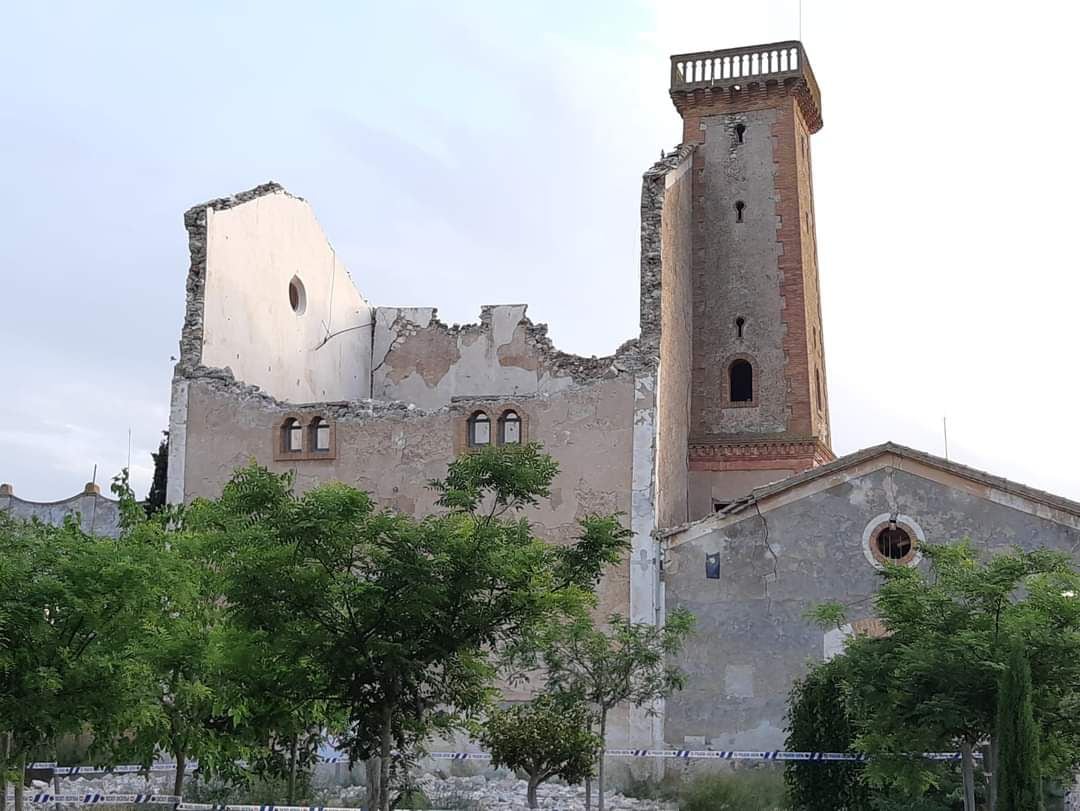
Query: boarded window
(510,428)
(292,436)
(320,434)
(479,429)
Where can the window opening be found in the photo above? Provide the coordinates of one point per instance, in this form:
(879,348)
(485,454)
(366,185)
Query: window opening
(817,381)
(739,206)
(720,506)
(320,434)
(292,436)
(510,428)
(740,131)
(479,429)
(740,322)
(893,543)
(741,381)
(297,296)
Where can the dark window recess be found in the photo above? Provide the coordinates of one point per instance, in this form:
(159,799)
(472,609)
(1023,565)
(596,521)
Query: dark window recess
(741,382)
(739,207)
(712,566)
(817,381)
(740,322)
(720,506)
(740,132)
(893,543)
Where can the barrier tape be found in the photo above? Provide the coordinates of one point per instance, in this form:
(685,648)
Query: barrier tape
(41,798)
(678,754)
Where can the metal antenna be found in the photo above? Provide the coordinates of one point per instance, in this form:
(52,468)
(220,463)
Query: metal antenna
(945,430)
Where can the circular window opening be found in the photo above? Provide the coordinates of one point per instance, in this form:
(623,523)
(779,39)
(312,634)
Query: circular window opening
(893,544)
(297,296)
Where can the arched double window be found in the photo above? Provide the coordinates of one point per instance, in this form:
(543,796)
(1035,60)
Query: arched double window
(319,435)
(292,436)
(741,381)
(510,428)
(479,430)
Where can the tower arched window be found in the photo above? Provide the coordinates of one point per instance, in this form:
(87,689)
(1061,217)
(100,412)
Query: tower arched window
(509,428)
(741,381)
(479,430)
(292,436)
(319,431)
(740,206)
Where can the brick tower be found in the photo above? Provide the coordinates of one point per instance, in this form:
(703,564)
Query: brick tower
(758,400)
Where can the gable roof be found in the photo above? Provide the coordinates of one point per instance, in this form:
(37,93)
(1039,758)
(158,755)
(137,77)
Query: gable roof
(754,500)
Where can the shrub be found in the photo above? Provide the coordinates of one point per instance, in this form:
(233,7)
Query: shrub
(740,790)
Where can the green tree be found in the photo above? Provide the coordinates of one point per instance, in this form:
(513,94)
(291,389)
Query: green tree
(72,608)
(931,684)
(395,621)
(545,738)
(629,663)
(155,498)
(1018,769)
(820,720)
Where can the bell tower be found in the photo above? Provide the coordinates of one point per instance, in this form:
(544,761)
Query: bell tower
(759,408)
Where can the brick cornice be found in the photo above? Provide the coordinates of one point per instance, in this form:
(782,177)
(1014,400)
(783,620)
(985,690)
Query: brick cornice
(747,454)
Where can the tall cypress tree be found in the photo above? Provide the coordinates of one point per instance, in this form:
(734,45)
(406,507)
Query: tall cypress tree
(1019,780)
(155,499)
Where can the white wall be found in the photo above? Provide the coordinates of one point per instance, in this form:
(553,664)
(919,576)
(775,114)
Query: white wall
(253,251)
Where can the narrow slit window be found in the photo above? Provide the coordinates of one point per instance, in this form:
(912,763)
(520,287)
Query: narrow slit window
(479,429)
(510,428)
(740,132)
(741,382)
(740,206)
(320,434)
(740,322)
(817,381)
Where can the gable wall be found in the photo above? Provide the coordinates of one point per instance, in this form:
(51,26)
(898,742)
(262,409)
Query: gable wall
(752,639)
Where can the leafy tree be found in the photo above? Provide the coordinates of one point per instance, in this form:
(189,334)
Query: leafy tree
(72,606)
(155,498)
(819,720)
(932,682)
(626,664)
(397,621)
(1018,771)
(545,738)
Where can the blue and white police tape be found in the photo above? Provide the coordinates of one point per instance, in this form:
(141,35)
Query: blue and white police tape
(42,798)
(683,754)
(216,807)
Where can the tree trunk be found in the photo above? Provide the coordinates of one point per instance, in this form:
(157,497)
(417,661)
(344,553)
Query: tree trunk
(531,795)
(20,779)
(600,766)
(5,752)
(178,779)
(967,768)
(384,755)
(373,771)
(292,770)
(588,794)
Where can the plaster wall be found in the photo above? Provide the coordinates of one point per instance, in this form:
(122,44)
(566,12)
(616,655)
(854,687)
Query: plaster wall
(96,514)
(420,360)
(253,250)
(706,487)
(676,317)
(752,640)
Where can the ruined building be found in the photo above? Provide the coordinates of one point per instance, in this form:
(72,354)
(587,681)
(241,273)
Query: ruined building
(709,430)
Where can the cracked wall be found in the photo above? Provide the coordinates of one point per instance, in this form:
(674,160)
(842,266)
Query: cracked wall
(752,639)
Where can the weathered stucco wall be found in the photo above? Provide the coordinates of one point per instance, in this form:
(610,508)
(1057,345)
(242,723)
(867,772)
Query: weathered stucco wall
(752,639)
(253,249)
(97,515)
(676,318)
(420,360)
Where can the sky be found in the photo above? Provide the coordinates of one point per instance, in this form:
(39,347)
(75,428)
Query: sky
(468,153)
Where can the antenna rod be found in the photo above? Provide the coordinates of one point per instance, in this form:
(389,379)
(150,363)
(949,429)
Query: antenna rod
(945,430)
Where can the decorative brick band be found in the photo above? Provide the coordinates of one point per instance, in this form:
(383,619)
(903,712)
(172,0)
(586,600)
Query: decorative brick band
(796,455)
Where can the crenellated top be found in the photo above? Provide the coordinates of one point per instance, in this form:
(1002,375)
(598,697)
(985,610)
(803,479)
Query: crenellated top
(734,70)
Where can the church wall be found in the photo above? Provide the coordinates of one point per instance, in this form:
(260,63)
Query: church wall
(752,640)
(97,515)
(392,450)
(252,250)
(676,319)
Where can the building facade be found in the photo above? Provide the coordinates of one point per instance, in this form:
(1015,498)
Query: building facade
(710,430)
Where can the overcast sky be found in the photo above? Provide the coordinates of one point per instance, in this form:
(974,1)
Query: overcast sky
(467,153)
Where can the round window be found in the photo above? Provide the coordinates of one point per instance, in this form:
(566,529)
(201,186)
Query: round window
(297,296)
(892,539)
